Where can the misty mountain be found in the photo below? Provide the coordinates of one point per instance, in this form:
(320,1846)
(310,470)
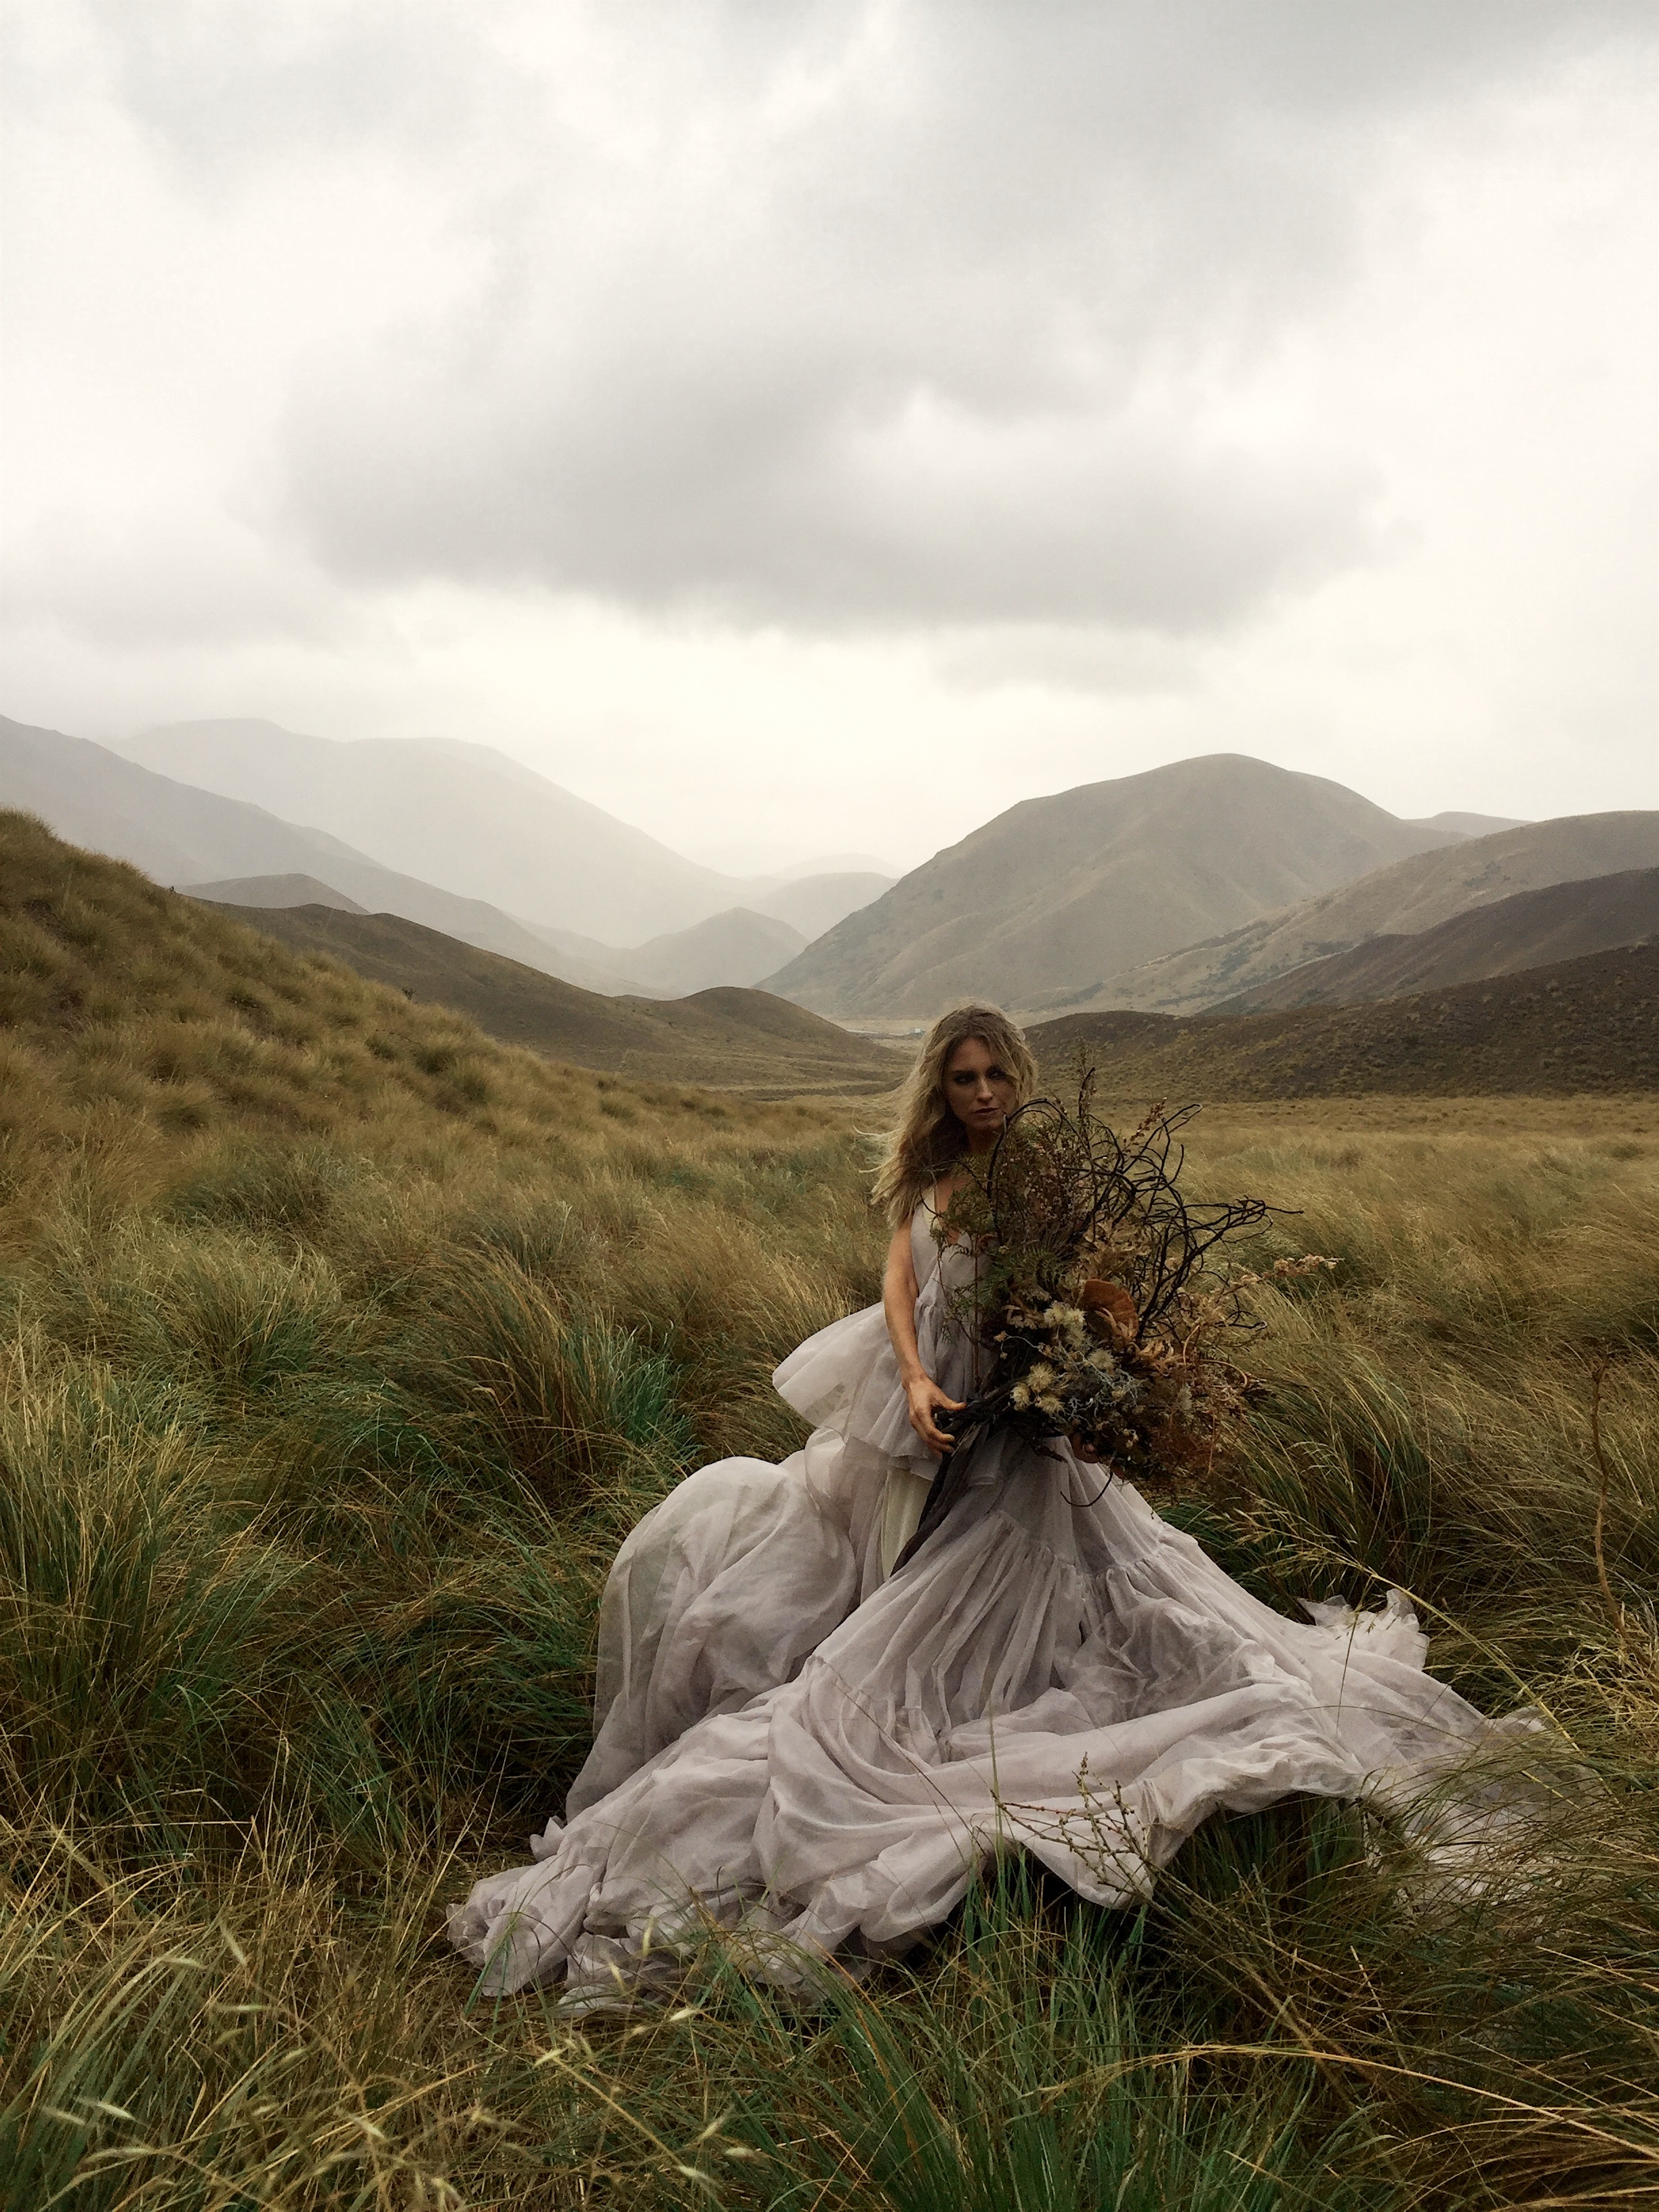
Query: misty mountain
(181,836)
(584,961)
(1043,903)
(737,947)
(1402,901)
(813,904)
(1469,825)
(1529,929)
(272,891)
(463,817)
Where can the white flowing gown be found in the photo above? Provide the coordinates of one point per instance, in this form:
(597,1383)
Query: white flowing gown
(794,1746)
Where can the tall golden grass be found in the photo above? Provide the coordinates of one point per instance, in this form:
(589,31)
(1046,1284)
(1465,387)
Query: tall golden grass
(323,1401)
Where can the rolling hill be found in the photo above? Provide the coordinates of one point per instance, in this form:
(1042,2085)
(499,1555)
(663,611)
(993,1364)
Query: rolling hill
(1057,894)
(1402,901)
(1579,1025)
(272,891)
(463,816)
(723,1039)
(1529,929)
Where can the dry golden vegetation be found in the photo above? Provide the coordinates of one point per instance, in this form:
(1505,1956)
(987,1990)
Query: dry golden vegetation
(340,1345)
(728,1038)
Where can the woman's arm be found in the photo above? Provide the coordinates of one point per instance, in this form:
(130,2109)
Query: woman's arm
(898,1299)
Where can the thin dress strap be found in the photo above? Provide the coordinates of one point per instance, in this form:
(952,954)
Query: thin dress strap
(924,1252)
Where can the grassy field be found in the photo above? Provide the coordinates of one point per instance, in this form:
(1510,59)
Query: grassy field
(341,1346)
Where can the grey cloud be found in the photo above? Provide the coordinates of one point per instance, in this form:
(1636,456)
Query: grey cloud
(231,91)
(842,317)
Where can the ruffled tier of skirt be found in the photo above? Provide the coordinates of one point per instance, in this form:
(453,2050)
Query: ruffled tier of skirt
(1057,1670)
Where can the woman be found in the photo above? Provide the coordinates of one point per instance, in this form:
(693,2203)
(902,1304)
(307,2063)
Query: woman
(797,1742)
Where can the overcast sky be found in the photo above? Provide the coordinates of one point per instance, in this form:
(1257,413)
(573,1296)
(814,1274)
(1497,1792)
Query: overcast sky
(811,427)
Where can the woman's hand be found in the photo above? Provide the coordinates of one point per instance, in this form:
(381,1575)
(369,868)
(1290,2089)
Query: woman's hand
(1086,1453)
(925,1398)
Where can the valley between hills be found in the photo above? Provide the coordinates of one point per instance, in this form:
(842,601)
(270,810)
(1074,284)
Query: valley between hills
(1218,927)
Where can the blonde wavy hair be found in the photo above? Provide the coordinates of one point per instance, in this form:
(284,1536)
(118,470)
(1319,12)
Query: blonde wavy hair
(926,1138)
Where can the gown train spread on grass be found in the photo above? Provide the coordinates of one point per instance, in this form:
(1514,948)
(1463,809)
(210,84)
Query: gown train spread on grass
(793,1744)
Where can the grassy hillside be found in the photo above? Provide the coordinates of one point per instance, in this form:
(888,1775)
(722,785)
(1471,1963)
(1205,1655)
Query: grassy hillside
(1059,892)
(728,1037)
(1411,895)
(331,1379)
(1529,929)
(1581,1025)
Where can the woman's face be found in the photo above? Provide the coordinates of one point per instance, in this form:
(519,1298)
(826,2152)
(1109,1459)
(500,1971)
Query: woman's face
(979,1090)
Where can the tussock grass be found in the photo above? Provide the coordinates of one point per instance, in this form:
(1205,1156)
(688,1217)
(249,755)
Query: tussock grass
(326,1390)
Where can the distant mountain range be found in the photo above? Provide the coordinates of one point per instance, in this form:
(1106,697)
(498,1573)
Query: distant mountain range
(1529,929)
(1044,903)
(812,904)
(742,945)
(463,817)
(239,852)
(1222,883)
(738,946)
(1402,901)
(181,836)
(479,825)
(1469,825)
(1477,1002)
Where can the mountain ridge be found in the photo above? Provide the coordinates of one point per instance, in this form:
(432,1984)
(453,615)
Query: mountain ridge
(1051,895)
(459,815)
(178,834)
(1403,899)
(1527,929)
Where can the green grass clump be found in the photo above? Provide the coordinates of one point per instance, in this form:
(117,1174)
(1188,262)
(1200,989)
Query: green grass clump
(326,1391)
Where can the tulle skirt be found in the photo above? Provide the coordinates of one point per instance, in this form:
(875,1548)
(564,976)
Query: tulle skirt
(792,1746)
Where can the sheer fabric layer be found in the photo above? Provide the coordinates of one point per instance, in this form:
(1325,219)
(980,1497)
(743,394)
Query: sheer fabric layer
(788,1742)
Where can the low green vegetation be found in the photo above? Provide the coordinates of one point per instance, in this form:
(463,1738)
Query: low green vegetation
(332,1376)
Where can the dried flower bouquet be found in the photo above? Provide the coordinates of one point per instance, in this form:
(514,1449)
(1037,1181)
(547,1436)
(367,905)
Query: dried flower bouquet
(1100,1300)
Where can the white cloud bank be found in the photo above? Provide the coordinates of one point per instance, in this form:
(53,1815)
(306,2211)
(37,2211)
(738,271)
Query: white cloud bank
(826,425)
